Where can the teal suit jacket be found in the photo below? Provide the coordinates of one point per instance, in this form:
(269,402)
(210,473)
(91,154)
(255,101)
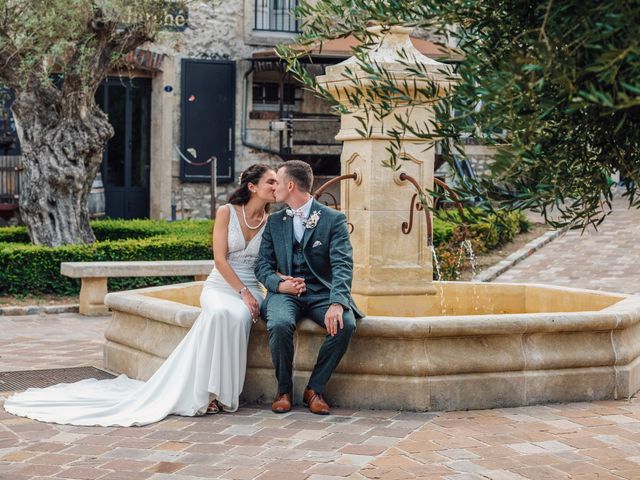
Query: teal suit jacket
(326,249)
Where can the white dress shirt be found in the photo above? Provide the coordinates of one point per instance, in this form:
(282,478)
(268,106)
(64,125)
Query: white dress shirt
(298,227)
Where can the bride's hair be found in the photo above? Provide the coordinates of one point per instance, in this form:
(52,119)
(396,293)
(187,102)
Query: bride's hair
(253,174)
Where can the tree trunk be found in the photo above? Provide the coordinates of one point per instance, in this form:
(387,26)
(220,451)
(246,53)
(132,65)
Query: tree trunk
(62,142)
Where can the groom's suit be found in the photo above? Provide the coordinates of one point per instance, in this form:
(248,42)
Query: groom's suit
(324,259)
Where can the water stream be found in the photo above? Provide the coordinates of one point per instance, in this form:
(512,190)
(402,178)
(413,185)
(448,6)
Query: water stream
(466,248)
(439,279)
(475,296)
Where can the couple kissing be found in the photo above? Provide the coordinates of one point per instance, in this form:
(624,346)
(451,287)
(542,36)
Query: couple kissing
(300,255)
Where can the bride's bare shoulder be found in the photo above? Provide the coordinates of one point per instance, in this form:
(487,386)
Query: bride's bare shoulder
(223,213)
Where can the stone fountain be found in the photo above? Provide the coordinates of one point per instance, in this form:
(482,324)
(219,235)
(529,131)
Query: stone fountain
(424,345)
(392,272)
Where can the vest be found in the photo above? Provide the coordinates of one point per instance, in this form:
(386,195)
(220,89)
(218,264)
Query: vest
(301,269)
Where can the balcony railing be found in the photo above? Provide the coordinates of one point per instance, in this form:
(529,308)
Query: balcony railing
(309,137)
(275,15)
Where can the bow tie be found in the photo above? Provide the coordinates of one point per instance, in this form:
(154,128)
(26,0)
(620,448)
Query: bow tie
(297,212)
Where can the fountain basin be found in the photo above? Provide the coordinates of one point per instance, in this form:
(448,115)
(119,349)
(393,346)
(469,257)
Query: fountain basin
(470,346)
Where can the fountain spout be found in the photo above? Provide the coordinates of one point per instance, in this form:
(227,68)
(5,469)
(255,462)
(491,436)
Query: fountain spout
(420,206)
(320,191)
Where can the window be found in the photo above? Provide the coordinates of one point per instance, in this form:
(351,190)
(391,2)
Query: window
(266,96)
(275,15)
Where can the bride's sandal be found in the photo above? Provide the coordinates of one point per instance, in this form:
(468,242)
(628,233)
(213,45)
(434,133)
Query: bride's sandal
(214,407)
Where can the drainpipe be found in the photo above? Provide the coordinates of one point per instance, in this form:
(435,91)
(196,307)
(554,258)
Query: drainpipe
(243,124)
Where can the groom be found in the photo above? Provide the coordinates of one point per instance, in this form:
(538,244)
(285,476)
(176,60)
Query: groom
(305,263)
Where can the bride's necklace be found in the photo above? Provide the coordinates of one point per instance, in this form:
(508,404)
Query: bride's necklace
(244,217)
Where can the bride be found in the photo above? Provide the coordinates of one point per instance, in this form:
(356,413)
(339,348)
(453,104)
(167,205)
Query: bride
(205,373)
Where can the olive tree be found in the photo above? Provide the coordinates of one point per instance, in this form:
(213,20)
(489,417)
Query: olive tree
(54,55)
(555,86)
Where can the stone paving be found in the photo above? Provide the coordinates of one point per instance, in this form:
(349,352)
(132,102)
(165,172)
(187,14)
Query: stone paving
(606,259)
(581,440)
(32,342)
(574,441)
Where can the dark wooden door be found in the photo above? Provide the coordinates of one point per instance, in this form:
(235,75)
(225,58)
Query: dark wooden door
(125,165)
(208,119)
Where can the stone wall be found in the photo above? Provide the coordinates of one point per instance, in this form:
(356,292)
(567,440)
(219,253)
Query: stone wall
(481,157)
(223,32)
(213,33)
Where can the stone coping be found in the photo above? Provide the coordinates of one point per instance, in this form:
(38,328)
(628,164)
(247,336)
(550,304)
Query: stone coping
(620,315)
(136,268)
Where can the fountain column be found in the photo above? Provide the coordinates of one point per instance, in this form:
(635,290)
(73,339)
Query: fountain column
(392,271)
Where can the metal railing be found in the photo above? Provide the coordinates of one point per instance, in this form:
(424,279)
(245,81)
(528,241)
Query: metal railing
(296,137)
(10,168)
(310,132)
(275,15)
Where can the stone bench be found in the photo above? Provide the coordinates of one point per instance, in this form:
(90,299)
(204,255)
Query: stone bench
(94,276)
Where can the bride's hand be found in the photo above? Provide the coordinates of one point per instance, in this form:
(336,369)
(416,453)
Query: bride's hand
(252,304)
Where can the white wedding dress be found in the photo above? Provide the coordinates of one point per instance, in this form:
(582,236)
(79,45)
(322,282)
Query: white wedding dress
(210,362)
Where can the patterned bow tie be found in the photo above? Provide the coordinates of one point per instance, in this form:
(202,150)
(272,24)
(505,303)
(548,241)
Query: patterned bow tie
(293,213)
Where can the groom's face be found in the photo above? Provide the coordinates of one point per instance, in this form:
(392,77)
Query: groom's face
(281,188)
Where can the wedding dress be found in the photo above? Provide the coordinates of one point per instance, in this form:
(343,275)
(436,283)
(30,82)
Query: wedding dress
(210,362)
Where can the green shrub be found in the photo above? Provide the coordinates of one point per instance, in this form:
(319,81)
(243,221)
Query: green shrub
(484,233)
(442,230)
(36,269)
(523,222)
(494,230)
(127,229)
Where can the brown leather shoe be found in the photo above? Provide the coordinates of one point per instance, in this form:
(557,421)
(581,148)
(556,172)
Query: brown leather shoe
(315,402)
(282,403)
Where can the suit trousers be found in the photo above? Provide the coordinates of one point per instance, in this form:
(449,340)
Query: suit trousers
(282,312)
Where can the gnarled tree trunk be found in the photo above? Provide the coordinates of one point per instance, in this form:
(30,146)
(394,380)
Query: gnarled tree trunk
(62,131)
(62,141)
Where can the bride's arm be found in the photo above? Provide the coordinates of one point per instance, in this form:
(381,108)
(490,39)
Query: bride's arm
(220,250)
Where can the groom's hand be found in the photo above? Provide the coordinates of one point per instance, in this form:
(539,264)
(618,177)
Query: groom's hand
(292,286)
(333,319)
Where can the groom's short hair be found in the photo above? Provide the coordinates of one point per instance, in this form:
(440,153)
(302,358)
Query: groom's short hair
(300,173)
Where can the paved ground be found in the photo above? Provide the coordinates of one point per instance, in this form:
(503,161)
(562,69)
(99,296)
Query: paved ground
(607,259)
(578,441)
(582,440)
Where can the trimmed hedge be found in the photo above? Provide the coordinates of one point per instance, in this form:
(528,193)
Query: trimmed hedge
(26,268)
(36,269)
(14,235)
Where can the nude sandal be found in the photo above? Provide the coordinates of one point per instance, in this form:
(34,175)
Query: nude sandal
(213,407)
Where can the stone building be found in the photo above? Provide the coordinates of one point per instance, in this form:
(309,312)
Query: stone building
(212,87)
(231,98)
(198,100)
